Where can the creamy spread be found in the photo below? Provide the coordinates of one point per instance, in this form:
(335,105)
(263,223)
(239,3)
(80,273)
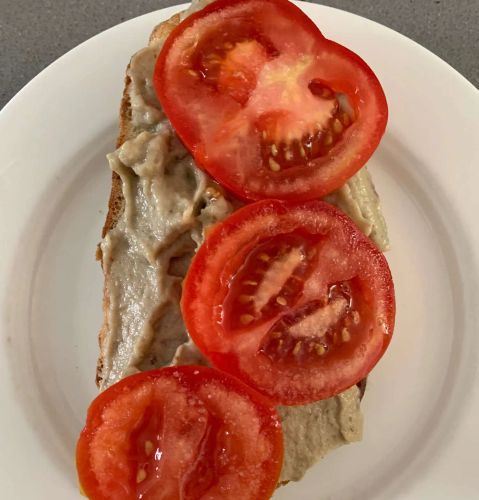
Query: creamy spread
(359,199)
(169,204)
(310,431)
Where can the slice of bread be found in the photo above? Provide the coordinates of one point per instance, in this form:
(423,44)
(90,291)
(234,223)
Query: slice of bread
(116,202)
(129,130)
(357,198)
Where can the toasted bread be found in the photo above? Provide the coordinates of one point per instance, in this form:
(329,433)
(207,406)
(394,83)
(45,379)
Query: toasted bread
(116,205)
(357,198)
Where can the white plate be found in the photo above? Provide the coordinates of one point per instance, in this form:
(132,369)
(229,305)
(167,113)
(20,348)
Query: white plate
(422,403)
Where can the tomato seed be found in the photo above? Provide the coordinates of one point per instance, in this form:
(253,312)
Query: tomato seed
(345,118)
(326,93)
(246,319)
(141,475)
(328,139)
(297,348)
(244,299)
(319,348)
(288,154)
(281,301)
(274,165)
(356,317)
(337,126)
(345,335)
(149,447)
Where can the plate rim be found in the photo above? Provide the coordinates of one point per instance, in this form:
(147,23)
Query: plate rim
(17,98)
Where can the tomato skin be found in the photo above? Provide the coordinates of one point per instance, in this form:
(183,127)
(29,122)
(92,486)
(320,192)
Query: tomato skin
(193,379)
(221,134)
(211,277)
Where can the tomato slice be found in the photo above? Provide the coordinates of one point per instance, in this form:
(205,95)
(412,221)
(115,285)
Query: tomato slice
(181,432)
(266,104)
(292,298)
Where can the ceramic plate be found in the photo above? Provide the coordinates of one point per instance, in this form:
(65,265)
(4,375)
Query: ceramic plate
(422,402)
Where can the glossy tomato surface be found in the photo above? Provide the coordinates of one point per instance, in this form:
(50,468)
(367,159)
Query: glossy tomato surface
(292,298)
(265,103)
(181,432)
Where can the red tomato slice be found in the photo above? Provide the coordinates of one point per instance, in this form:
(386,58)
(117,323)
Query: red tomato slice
(266,104)
(181,432)
(292,298)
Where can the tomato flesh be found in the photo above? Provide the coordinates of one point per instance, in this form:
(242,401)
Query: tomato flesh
(270,278)
(184,432)
(265,103)
(292,298)
(230,63)
(324,327)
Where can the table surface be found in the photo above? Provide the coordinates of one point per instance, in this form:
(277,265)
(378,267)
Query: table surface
(34,33)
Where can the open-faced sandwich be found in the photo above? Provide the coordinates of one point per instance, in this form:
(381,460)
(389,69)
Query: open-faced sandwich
(246,294)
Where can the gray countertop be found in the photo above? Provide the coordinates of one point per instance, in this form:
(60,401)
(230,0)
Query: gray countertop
(33,33)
